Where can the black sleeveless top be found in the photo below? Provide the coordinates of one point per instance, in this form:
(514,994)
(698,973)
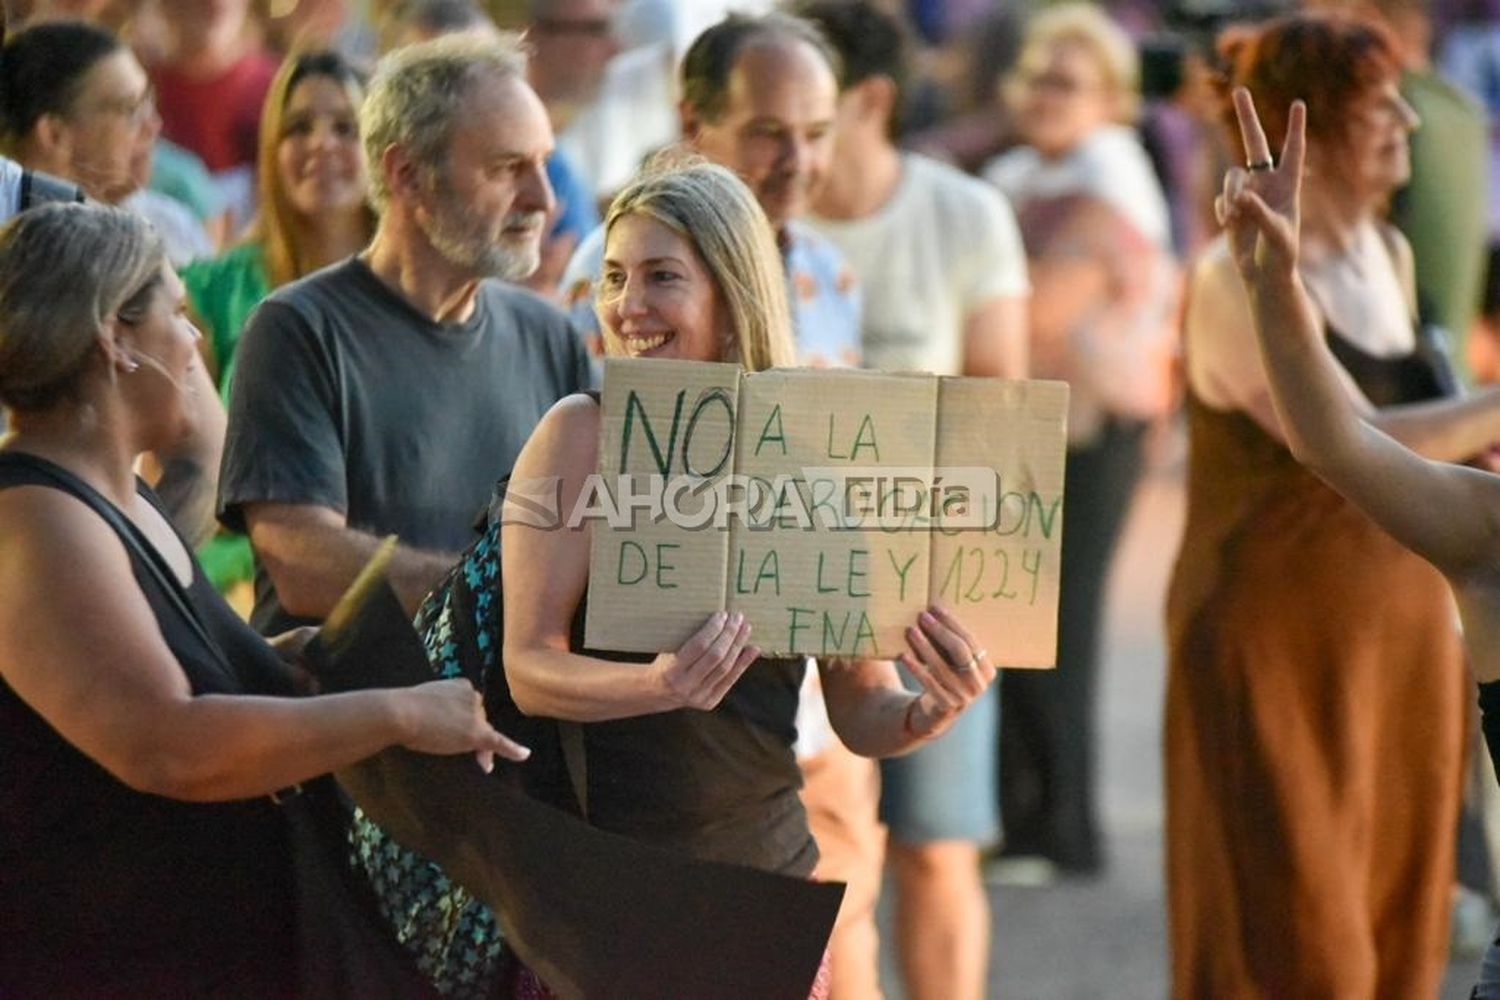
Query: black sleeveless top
(106,891)
(1421,374)
(719,785)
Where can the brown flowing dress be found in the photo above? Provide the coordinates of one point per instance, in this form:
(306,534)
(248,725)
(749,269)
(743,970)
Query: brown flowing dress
(1313,730)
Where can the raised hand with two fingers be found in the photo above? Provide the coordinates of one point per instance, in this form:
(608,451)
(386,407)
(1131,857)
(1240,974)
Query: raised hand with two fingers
(1260,206)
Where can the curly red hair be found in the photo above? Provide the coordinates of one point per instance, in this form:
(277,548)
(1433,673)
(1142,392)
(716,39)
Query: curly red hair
(1329,60)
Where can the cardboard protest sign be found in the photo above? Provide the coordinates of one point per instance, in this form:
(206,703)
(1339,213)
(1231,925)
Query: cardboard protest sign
(818,584)
(829,507)
(671,425)
(1004,580)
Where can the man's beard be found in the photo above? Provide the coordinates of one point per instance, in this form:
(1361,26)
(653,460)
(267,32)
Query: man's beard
(466,242)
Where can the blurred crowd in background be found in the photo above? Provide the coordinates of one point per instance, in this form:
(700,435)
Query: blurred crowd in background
(606,71)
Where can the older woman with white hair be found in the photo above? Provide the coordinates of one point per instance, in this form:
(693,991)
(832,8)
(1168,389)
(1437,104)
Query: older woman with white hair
(1104,284)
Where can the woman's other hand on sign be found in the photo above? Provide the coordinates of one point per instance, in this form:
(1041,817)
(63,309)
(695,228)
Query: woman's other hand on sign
(953,669)
(702,671)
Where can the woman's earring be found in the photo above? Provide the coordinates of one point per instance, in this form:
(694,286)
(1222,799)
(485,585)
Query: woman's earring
(131,365)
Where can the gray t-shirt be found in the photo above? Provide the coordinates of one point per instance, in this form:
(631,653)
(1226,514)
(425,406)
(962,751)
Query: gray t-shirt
(345,396)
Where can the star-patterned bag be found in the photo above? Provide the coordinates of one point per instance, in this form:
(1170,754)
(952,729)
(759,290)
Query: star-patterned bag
(453,934)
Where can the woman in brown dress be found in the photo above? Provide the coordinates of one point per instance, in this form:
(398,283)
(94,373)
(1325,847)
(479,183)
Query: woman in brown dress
(1411,497)
(1315,693)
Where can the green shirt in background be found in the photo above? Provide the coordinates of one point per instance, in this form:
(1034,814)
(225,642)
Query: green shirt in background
(223,291)
(1444,210)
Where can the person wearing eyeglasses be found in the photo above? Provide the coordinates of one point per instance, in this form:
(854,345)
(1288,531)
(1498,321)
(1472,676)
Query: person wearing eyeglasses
(572,41)
(607,72)
(75,103)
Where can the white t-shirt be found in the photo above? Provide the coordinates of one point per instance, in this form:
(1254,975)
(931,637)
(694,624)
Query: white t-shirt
(942,246)
(1109,164)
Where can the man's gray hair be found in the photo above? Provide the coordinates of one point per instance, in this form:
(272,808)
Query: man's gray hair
(416,98)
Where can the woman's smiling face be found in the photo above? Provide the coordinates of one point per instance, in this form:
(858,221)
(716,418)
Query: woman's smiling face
(319,158)
(656,297)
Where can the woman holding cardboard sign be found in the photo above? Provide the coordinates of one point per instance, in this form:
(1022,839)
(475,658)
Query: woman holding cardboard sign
(1314,712)
(693,749)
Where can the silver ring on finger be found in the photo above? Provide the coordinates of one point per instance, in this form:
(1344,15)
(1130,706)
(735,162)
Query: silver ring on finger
(1255,166)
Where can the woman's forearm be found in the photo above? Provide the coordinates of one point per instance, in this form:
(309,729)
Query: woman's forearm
(872,712)
(221,747)
(1321,425)
(1447,430)
(879,725)
(561,685)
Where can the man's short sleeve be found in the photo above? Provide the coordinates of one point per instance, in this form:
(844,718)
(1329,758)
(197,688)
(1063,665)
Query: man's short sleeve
(995,252)
(285,441)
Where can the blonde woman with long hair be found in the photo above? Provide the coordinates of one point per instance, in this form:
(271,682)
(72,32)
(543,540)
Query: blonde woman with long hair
(691,272)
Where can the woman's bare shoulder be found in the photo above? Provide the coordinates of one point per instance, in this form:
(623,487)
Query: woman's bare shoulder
(40,520)
(53,543)
(565,441)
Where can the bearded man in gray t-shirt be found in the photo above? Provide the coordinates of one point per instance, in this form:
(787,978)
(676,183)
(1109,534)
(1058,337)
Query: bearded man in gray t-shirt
(386,394)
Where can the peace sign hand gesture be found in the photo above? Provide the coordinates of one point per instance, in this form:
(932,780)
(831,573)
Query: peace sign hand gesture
(1261,204)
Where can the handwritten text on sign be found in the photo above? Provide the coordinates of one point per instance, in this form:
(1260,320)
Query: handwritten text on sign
(830,507)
